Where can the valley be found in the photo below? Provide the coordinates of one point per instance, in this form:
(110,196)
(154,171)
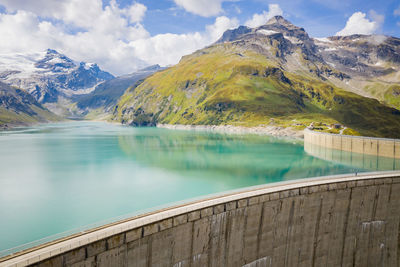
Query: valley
(274,75)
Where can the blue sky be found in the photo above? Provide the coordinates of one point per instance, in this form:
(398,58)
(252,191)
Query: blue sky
(125,35)
(320,18)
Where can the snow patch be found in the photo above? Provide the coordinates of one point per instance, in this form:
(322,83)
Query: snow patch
(323,40)
(267,32)
(55,60)
(24,63)
(293,40)
(330,49)
(88,66)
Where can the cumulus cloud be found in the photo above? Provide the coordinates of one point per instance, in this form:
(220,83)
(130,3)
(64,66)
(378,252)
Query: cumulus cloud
(109,35)
(261,19)
(168,48)
(103,35)
(358,23)
(205,8)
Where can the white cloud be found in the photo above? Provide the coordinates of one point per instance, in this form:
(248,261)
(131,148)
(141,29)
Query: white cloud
(205,8)
(396,12)
(168,48)
(104,36)
(110,36)
(261,19)
(221,24)
(377,18)
(359,24)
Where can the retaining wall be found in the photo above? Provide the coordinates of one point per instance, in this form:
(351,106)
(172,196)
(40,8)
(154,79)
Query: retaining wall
(359,162)
(326,221)
(381,147)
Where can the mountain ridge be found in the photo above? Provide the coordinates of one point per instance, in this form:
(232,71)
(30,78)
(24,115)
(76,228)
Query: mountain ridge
(49,75)
(274,74)
(357,63)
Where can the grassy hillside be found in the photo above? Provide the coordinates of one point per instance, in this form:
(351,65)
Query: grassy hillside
(225,84)
(388,93)
(17,107)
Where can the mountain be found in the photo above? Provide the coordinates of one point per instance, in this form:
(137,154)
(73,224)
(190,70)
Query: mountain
(367,65)
(18,107)
(49,76)
(275,74)
(371,62)
(105,95)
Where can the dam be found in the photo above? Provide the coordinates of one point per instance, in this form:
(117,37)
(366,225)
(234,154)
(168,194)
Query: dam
(337,220)
(325,221)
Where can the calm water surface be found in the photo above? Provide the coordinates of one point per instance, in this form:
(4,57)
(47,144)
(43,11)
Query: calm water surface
(59,177)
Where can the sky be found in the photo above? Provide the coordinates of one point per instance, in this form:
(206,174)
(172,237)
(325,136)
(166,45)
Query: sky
(123,36)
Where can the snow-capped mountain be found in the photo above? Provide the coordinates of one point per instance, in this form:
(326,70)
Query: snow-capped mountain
(50,75)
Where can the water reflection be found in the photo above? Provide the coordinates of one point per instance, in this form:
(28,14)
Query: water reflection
(76,174)
(234,156)
(361,161)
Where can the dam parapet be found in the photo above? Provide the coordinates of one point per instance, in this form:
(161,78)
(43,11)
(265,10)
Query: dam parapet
(343,220)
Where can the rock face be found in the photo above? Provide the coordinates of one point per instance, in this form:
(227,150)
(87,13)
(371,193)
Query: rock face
(361,55)
(275,74)
(50,75)
(277,33)
(17,107)
(368,65)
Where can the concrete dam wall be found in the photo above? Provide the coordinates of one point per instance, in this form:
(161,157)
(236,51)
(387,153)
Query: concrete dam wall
(356,160)
(379,147)
(326,221)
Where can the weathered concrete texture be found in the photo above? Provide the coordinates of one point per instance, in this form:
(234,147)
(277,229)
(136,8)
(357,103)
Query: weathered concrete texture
(352,223)
(362,161)
(357,144)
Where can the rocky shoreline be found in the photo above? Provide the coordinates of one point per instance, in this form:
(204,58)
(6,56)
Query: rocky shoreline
(261,130)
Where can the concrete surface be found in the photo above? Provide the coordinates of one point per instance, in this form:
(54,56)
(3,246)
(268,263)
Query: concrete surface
(327,221)
(356,144)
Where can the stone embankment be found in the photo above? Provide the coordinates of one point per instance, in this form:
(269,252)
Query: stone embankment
(261,130)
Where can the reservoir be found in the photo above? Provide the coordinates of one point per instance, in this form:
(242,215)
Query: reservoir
(59,179)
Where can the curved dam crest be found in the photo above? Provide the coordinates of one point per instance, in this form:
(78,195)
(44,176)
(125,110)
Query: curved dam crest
(335,221)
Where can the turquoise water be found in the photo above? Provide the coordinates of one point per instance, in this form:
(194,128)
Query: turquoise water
(59,177)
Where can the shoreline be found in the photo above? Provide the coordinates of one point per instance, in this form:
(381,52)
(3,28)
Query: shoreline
(260,130)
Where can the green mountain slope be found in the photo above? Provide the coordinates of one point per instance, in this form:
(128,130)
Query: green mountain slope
(274,74)
(18,107)
(227,84)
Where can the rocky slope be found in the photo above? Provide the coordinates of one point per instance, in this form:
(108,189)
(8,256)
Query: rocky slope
(271,75)
(368,65)
(105,95)
(17,107)
(372,63)
(50,76)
